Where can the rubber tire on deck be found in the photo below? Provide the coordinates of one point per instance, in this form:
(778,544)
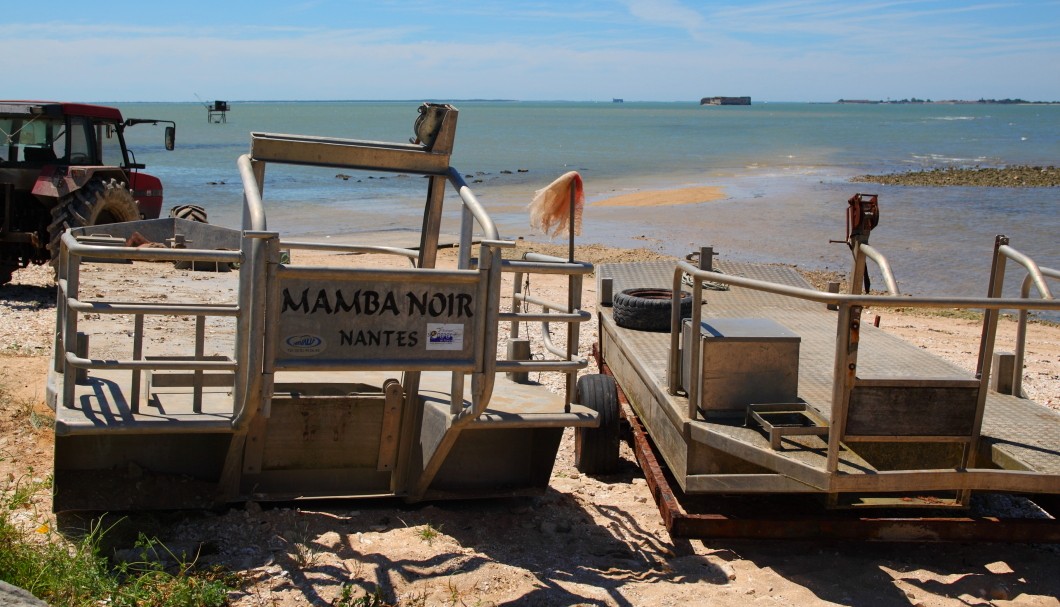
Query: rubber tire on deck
(596,449)
(191,212)
(97,203)
(648,309)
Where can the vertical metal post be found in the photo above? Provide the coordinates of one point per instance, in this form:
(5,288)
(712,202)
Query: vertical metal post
(82,342)
(466,233)
(1001,379)
(706,258)
(432,221)
(573,302)
(833,287)
(857,277)
(200,350)
(241,390)
(574,299)
(1021,341)
(517,291)
(570,226)
(61,295)
(138,352)
(986,348)
(673,383)
(73,280)
(997,279)
(848,334)
(606,293)
(267,328)
(518,349)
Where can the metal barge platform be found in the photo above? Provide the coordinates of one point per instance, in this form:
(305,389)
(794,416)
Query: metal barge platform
(783,392)
(295,381)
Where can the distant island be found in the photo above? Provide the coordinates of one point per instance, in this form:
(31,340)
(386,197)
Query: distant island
(725,101)
(948,101)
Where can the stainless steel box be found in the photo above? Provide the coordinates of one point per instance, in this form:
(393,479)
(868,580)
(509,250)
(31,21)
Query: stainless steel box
(743,361)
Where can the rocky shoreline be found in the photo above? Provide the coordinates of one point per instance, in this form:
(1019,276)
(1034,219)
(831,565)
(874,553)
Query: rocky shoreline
(1004,177)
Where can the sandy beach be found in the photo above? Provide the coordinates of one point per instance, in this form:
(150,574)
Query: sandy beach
(586,541)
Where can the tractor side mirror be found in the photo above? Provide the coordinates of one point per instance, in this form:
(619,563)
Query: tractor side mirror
(171,137)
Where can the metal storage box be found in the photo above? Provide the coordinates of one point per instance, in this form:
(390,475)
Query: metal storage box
(744,361)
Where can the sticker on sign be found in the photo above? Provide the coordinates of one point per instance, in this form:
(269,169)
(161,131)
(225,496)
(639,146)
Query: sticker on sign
(445,336)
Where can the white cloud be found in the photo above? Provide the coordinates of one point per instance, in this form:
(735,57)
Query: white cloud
(668,13)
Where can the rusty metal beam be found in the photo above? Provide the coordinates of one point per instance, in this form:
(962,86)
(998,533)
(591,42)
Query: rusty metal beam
(801,517)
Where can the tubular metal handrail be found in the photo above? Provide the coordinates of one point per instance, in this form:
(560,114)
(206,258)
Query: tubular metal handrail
(992,303)
(849,309)
(570,314)
(1036,276)
(258,259)
(70,306)
(349,248)
(883,264)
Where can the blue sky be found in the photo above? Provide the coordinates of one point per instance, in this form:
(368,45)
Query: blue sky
(644,50)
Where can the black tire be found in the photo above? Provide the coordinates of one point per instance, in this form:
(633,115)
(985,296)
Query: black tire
(596,449)
(6,272)
(97,203)
(648,309)
(191,212)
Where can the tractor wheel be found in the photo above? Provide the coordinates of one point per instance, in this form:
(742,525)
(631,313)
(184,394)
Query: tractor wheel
(191,212)
(5,273)
(596,449)
(648,309)
(97,203)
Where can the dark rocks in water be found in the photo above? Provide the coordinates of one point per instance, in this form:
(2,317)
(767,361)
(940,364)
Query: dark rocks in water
(725,101)
(1004,177)
(342,176)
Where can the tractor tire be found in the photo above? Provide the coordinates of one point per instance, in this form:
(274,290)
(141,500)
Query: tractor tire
(6,272)
(97,203)
(596,449)
(191,212)
(648,309)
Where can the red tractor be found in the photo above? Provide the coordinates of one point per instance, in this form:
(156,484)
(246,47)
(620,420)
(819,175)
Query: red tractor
(65,165)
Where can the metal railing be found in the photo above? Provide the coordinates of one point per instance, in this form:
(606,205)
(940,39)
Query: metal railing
(570,313)
(70,305)
(260,269)
(850,307)
(1036,276)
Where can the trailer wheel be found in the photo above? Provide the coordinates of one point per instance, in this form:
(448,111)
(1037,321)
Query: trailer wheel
(648,309)
(596,449)
(97,203)
(191,212)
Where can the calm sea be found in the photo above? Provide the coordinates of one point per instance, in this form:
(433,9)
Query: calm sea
(784,168)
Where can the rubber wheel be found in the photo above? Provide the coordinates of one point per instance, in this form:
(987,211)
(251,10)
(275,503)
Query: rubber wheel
(648,309)
(596,449)
(6,272)
(97,203)
(191,212)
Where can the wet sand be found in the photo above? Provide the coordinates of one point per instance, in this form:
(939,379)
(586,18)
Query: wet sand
(656,198)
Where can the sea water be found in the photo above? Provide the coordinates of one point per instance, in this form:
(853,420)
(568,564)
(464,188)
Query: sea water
(784,169)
